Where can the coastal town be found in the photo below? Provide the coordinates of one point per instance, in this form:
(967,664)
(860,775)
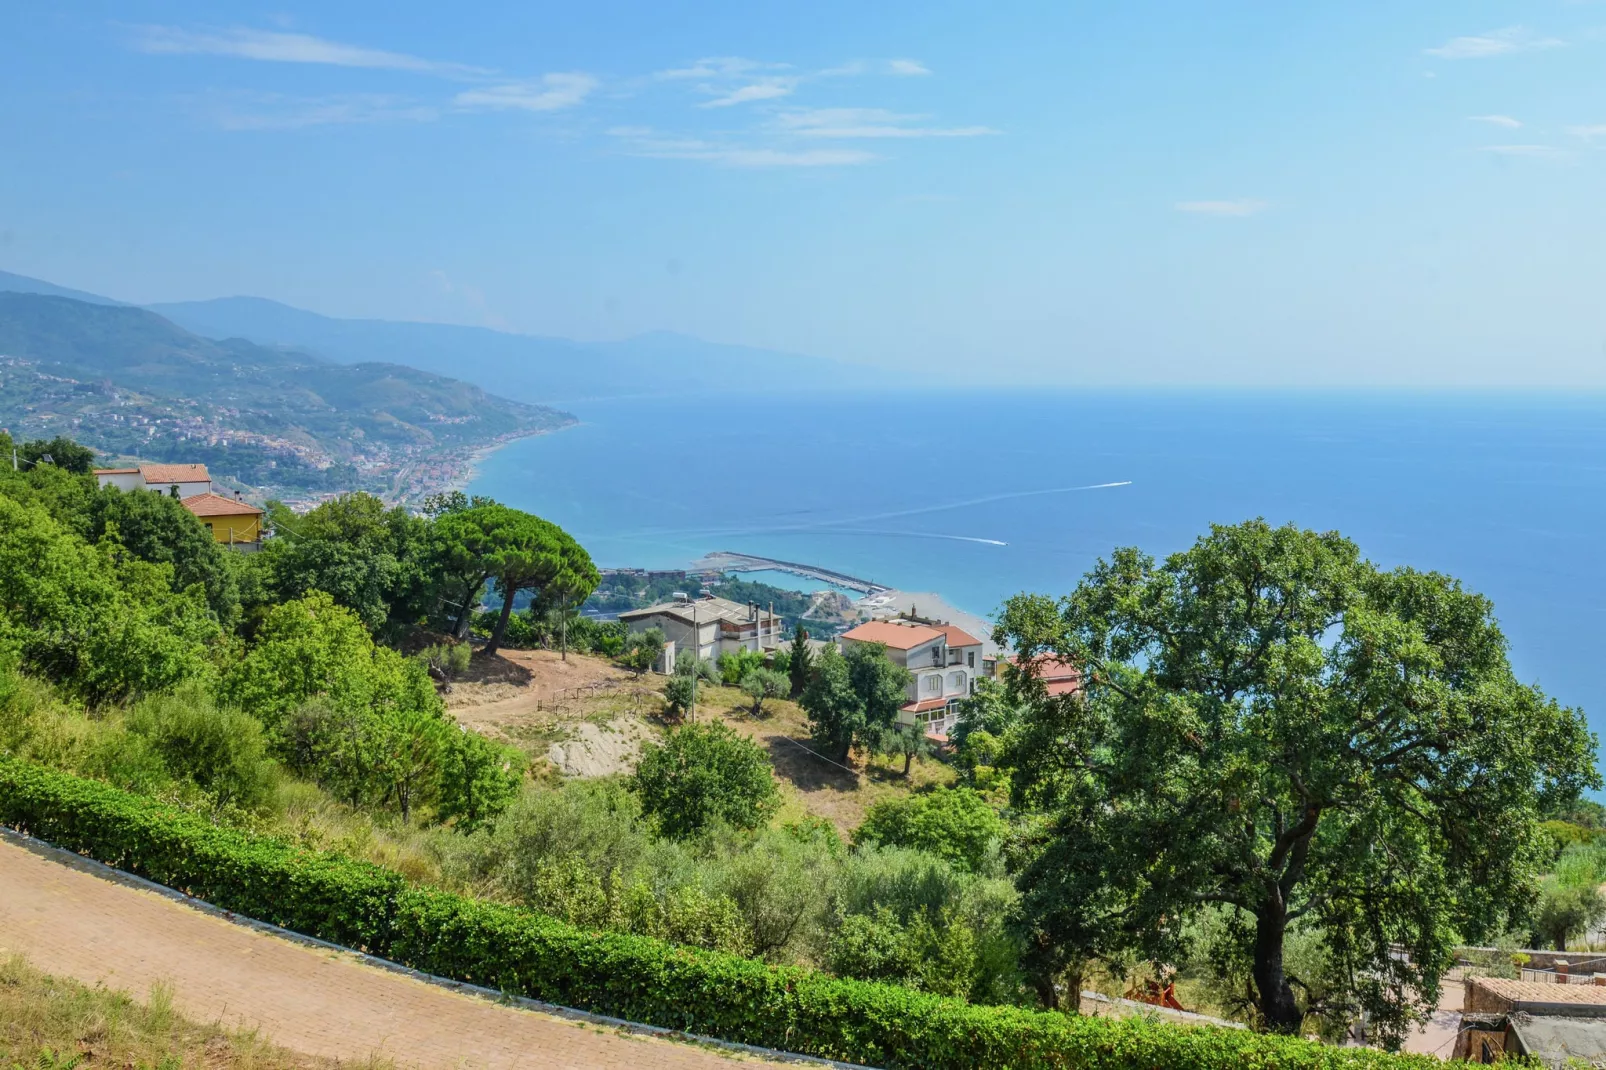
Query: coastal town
(601,694)
(878,537)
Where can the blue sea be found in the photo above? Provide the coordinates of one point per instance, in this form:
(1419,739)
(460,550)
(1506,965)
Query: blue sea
(979,495)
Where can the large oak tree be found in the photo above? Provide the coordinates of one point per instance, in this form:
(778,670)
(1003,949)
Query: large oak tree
(1280,734)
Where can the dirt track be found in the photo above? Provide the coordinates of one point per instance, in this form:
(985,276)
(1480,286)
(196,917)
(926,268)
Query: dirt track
(74,924)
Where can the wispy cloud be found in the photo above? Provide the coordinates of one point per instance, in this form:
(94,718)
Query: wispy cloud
(1590,131)
(1494,43)
(720,67)
(550,92)
(277,111)
(276,47)
(1495,120)
(642,141)
(1238,208)
(866,123)
(732,80)
(1548,152)
(764,89)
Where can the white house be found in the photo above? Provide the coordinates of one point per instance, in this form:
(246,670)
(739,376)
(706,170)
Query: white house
(187,480)
(711,626)
(943,659)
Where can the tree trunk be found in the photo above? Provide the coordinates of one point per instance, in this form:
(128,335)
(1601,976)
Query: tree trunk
(908,760)
(842,750)
(501,622)
(1047,995)
(563,631)
(1277,1004)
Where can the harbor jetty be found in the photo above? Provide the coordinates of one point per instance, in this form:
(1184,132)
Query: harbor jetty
(730,561)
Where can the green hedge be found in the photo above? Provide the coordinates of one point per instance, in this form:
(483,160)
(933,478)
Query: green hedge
(501,947)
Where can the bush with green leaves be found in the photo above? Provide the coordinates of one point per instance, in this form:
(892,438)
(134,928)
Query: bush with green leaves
(359,718)
(445,662)
(679,694)
(158,529)
(641,650)
(761,684)
(734,665)
(633,977)
(99,621)
(221,751)
(687,663)
(853,697)
(478,778)
(956,824)
(702,775)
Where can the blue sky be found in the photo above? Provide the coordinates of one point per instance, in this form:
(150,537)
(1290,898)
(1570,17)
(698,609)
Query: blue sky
(1149,192)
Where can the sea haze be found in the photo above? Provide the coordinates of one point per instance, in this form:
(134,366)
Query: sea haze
(980,495)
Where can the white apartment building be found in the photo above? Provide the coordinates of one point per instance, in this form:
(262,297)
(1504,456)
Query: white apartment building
(944,660)
(711,626)
(187,480)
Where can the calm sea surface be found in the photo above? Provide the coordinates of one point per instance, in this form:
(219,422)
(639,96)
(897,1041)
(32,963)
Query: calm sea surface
(977,496)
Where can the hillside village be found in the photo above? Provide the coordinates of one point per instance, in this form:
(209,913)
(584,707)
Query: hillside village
(754,781)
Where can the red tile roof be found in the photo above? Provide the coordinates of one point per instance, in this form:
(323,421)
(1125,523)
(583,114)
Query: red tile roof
(217,505)
(1059,677)
(925,705)
(958,636)
(893,635)
(174,473)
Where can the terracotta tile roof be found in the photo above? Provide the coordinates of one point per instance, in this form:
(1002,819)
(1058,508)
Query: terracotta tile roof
(958,636)
(174,473)
(116,471)
(218,505)
(893,635)
(1521,992)
(925,705)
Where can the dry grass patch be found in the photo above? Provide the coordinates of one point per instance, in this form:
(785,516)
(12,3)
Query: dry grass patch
(47,1023)
(810,784)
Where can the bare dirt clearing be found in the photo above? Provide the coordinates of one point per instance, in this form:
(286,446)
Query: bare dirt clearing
(585,717)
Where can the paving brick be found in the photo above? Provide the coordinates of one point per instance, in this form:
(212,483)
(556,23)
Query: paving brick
(74,924)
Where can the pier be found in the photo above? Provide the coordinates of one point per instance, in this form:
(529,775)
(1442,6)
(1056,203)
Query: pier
(730,561)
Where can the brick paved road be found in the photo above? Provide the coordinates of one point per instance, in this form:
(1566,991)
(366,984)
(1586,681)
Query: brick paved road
(73,924)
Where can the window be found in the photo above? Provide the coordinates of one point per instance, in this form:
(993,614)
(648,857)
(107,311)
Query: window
(956,683)
(972,657)
(932,684)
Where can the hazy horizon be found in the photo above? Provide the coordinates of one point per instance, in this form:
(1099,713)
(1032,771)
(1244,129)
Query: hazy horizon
(1149,196)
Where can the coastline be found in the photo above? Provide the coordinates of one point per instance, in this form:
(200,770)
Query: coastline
(461,467)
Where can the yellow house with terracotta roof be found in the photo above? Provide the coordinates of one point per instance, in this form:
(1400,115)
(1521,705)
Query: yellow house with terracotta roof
(230,520)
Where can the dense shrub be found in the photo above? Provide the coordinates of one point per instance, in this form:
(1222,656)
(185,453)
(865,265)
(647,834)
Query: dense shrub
(220,751)
(312,892)
(952,823)
(635,977)
(703,774)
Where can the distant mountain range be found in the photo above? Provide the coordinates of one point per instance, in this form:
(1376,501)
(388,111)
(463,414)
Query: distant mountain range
(526,367)
(130,383)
